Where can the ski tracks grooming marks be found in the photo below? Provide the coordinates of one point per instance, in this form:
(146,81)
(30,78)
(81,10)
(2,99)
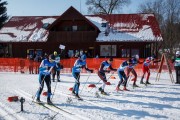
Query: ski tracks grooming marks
(9,114)
(54,108)
(101,105)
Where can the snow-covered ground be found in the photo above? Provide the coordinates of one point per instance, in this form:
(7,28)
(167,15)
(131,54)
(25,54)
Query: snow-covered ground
(161,100)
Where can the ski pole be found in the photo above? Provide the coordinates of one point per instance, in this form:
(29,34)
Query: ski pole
(54,90)
(129,77)
(100,80)
(85,82)
(38,88)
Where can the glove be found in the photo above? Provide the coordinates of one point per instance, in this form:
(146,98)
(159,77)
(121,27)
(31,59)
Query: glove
(47,73)
(105,81)
(80,66)
(108,71)
(61,66)
(91,71)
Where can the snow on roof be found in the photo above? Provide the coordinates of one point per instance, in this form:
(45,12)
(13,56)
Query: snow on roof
(126,27)
(26,29)
(114,27)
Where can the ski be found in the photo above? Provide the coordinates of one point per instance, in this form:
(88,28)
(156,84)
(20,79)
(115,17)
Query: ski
(74,97)
(51,107)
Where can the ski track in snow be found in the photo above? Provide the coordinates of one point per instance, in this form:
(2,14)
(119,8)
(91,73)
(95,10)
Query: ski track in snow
(9,114)
(65,113)
(161,100)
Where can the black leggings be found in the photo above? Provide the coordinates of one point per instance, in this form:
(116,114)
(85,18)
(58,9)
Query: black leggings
(47,79)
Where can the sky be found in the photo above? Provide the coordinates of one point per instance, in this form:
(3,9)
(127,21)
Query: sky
(55,7)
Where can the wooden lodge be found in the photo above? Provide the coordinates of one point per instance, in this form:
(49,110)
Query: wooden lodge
(117,35)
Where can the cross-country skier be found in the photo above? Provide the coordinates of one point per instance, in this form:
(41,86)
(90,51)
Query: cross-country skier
(79,64)
(177,67)
(135,61)
(101,73)
(122,76)
(45,69)
(146,69)
(57,68)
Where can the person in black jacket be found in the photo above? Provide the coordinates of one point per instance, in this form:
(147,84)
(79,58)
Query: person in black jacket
(101,73)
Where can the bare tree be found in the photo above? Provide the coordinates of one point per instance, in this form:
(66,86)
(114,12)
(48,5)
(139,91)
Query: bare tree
(167,14)
(105,6)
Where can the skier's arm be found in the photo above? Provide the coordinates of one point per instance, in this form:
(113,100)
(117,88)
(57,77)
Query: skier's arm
(87,69)
(110,67)
(155,61)
(42,67)
(101,68)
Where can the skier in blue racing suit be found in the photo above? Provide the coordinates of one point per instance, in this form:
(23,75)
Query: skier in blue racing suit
(45,69)
(79,64)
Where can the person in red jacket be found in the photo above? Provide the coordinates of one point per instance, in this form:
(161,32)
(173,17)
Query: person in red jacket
(146,69)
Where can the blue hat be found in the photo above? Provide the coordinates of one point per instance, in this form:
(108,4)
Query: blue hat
(83,57)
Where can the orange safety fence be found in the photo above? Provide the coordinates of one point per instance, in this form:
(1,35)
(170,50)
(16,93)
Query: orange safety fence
(30,66)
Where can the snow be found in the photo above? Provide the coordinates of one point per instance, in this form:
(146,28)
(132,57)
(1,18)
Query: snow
(161,100)
(24,29)
(124,31)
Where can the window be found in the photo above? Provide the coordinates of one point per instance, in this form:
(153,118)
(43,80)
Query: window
(70,53)
(39,52)
(107,50)
(74,28)
(103,24)
(134,52)
(45,25)
(125,53)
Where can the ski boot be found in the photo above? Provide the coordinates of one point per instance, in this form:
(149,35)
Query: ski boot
(58,79)
(103,93)
(38,100)
(73,93)
(100,89)
(118,89)
(147,82)
(49,101)
(77,96)
(125,89)
(134,85)
(141,82)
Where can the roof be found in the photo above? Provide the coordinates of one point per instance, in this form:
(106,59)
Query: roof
(113,27)
(26,29)
(76,14)
(126,27)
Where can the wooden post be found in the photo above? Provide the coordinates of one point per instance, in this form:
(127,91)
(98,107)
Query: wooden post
(164,58)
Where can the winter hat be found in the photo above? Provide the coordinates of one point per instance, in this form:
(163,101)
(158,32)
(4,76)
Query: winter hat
(83,57)
(149,59)
(137,57)
(110,59)
(129,61)
(51,57)
(177,52)
(55,53)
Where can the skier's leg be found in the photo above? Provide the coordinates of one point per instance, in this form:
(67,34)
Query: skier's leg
(120,81)
(125,81)
(48,84)
(41,82)
(76,77)
(103,78)
(135,76)
(147,78)
(58,75)
(144,72)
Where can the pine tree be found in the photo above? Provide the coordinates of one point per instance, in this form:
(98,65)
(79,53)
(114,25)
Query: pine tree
(3,14)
